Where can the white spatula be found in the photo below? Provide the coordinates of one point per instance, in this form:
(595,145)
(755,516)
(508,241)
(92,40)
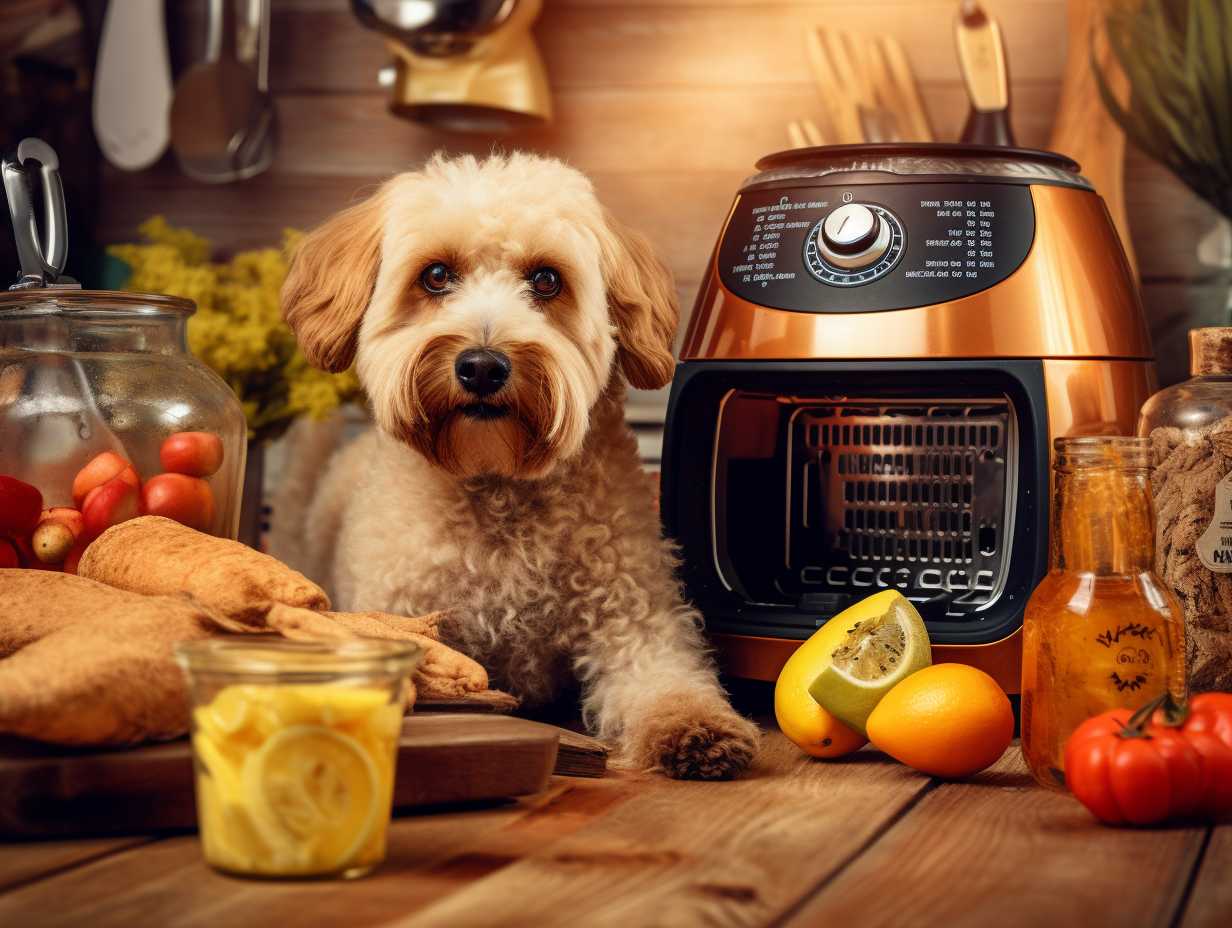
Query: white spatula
(132,85)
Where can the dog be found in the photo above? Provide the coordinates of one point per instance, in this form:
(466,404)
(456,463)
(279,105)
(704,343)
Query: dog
(494,310)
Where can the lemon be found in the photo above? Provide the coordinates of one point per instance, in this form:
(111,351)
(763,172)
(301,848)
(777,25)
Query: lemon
(314,795)
(879,648)
(814,729)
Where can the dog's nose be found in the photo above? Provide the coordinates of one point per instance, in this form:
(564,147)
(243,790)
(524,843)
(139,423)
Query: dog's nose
(482,371)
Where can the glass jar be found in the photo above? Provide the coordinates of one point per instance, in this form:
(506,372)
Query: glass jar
(1189,426)
(86,372)
(295,745)
(1101,631)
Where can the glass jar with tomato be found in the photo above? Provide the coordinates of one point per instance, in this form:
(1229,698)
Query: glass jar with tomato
(104,413)
(1101,631)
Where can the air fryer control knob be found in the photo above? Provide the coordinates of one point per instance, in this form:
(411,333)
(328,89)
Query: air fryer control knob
(853,237)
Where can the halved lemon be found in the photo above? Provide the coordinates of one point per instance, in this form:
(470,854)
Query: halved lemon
(314,795)
(878,651)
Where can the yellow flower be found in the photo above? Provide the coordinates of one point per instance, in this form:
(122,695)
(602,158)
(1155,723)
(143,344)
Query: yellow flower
(238,329)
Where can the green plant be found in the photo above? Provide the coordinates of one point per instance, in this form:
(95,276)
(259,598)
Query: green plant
(1177,55)
(238,329)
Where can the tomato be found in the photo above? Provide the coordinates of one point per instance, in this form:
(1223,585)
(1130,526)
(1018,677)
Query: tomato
(114,502)
(187,500)
(102,467)
(195,454)
(1210,712)
(1126,775)
(20,505)
(1216,774)
(8,554)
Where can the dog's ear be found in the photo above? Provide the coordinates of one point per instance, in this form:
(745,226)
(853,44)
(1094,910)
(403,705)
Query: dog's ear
(329,283)
(642,300)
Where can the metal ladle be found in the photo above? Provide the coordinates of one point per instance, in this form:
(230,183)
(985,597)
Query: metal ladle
(222,117)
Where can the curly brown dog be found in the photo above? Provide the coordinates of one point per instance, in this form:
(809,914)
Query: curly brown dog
(494,310)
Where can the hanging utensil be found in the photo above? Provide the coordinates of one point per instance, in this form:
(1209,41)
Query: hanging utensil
(981,56)
(222,118)
(132,84)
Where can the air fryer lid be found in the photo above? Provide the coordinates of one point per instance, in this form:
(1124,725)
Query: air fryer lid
(936,161)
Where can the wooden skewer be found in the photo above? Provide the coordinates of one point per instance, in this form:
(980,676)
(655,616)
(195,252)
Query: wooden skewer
(844,115)
(811,133)
(912,117)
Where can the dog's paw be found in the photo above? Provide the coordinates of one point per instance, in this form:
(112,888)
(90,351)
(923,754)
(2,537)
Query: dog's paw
(691,740)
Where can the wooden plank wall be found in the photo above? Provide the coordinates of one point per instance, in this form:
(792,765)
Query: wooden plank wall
(665,103)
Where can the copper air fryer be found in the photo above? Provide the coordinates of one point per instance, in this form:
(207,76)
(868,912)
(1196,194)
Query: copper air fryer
(887,341)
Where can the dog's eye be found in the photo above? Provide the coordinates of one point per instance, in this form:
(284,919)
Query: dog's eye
(436,277)
(545,282)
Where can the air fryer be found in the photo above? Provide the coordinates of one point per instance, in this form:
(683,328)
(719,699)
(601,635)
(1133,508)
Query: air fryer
(887,340)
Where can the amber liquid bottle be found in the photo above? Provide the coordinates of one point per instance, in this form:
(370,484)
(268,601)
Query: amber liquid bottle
(1101,631)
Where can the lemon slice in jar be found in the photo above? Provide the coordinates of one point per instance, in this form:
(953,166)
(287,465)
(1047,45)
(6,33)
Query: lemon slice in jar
(313,795)
(328,705)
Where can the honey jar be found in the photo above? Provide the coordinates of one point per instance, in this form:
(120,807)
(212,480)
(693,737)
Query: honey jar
(1101,631)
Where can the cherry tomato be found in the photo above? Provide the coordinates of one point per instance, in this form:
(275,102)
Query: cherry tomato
(1125,773)
(187,500)
(114,502)
(20,505)
(102,467)
(196,454)
(65,515)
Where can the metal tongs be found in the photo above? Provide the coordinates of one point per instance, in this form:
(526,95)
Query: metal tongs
(41,256)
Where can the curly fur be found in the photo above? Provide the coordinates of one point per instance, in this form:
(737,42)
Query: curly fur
(536,531)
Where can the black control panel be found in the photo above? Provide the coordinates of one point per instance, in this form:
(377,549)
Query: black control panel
(927,243)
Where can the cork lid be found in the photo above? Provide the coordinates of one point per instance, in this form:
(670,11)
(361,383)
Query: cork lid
(1210,350)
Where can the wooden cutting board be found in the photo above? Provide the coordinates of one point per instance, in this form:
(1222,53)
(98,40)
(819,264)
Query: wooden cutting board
(443,758)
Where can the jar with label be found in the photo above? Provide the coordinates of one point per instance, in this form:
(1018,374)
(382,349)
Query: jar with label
(1101,631)
(1189,426)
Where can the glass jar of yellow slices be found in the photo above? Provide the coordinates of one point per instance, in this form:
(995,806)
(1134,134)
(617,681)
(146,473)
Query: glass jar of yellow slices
(294,747)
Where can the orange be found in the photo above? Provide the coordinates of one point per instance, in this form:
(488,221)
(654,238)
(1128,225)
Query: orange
(949,720)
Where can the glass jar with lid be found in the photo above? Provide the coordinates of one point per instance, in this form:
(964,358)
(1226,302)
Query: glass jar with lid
(1189,427)
(91,381)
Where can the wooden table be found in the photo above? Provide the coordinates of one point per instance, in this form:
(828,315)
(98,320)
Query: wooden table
(860,842)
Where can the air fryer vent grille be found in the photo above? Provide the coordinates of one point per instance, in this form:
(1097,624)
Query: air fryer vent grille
(907,494)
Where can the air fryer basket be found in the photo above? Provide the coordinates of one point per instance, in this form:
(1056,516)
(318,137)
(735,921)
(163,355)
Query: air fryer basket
(797,488)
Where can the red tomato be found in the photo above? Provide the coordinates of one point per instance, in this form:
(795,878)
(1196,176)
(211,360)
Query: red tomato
(1211,712)
(8,554)
(20,505)
(195,454)
(102,467)
(114,502)
(187,500)
(1216,772)
(1136,776)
